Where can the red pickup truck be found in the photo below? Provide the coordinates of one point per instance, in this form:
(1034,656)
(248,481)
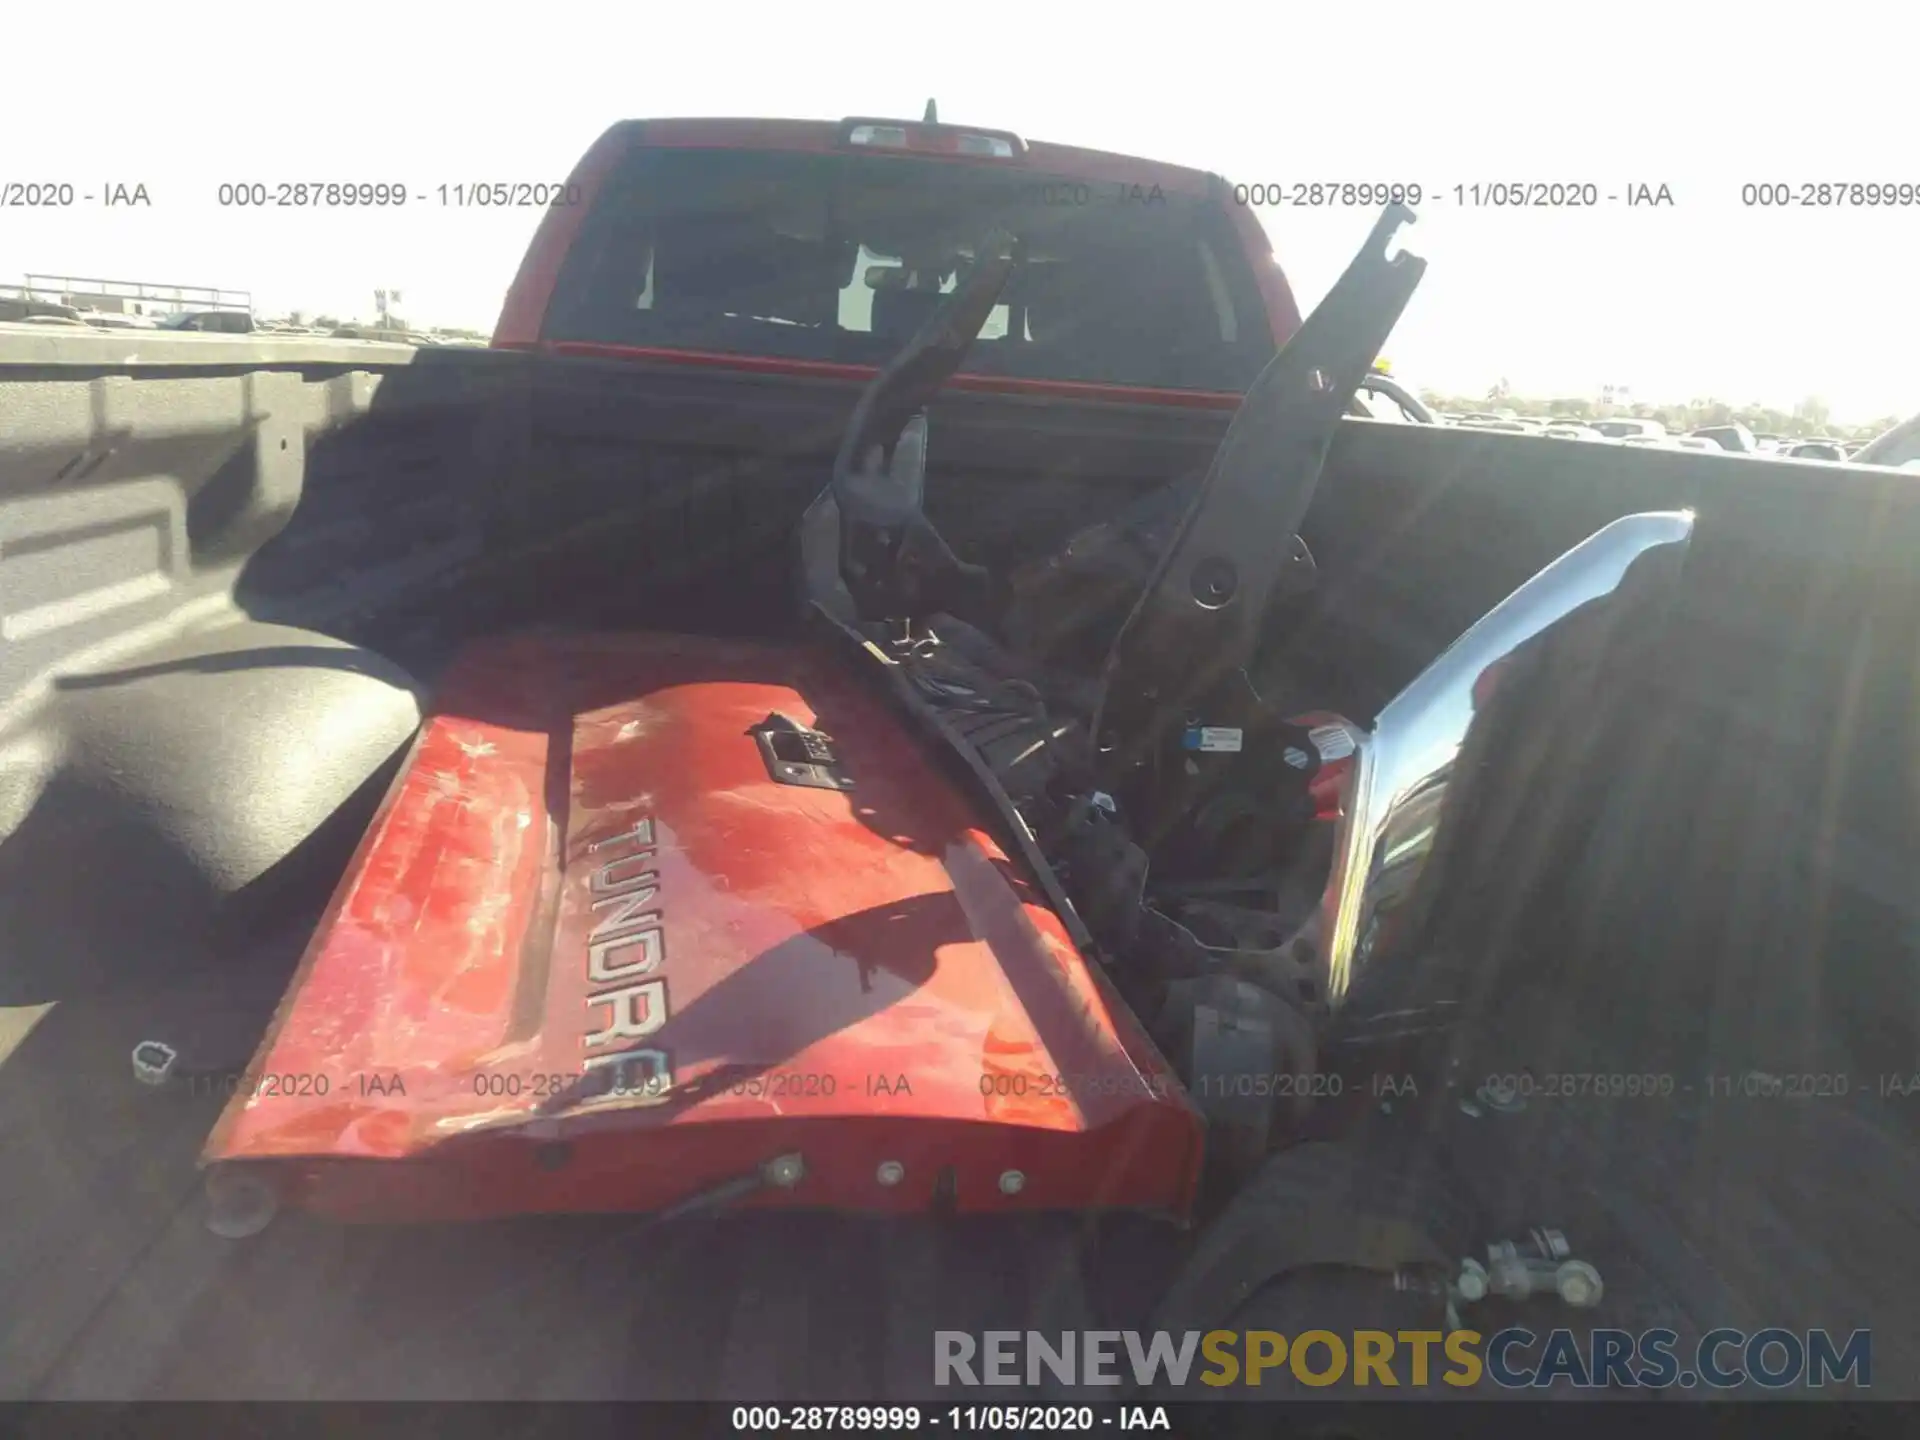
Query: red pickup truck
(813,249)
(894,734)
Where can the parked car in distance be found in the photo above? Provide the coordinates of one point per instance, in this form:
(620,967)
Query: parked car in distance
(109,320)
(21,308)
(1817,450)
(1620,427)
(1701,442)
(217,322)
(1736,438)
(1572,432)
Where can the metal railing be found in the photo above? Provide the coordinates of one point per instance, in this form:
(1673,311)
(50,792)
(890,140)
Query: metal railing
(82,292)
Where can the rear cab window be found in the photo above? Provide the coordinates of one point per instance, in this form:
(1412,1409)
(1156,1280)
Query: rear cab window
(838,257)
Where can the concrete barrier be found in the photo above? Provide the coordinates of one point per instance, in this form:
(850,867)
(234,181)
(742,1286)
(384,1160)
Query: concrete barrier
(41,345)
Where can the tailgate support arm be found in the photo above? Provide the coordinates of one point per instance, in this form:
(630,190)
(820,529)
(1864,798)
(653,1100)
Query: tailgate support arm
(1198,619)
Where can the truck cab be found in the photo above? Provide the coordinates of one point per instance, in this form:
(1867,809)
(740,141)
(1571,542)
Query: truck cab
(812,248)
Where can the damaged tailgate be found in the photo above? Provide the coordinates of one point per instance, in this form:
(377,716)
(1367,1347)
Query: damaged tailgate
(643,914)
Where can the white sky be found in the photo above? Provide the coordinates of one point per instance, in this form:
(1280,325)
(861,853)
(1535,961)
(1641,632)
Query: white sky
(1705,298)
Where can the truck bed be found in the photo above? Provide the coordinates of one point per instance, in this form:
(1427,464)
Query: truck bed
(132,1297)
(1748,908)
(1696,1217)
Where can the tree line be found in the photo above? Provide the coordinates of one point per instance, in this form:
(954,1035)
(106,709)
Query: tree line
(1810,418)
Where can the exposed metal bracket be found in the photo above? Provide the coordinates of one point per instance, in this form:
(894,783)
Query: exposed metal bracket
(1199,617)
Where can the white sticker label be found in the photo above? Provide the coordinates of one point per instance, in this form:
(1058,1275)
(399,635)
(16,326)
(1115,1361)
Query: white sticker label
(1219,737)
(1334,742)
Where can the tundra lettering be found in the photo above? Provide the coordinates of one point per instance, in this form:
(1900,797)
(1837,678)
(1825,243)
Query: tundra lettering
(628,943)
